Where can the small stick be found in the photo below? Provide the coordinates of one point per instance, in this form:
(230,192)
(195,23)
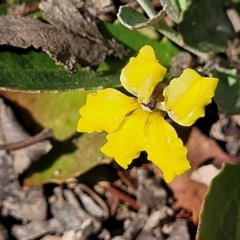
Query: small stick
(44,134)
(122,196)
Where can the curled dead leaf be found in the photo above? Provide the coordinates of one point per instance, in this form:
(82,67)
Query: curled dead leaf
(69,40)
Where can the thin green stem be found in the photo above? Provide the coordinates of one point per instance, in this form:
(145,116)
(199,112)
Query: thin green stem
(169,32)
(148,8)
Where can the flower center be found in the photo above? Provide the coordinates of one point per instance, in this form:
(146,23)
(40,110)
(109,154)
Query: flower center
(154,98)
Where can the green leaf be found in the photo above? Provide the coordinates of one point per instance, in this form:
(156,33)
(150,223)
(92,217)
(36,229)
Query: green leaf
(221,210)
(227,92)
(132,19)
(182,4)
(68,159)
(175,8)
(26,70)
(236,5)
(164,50)
(3,8)
(73,153)
(206,27)
(34,71)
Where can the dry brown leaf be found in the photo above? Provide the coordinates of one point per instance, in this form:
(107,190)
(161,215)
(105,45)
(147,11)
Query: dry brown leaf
(22,9)
(104,9)
(190,194)
(90,47)
(69,40)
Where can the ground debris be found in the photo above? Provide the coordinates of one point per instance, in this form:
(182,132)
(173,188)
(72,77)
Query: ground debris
(150,193)
(68,212)
(227,129)
(182,61)
(105,10)
(233,53)
(29,231)
(24,205)
(137,224)
(22,9)
(14,132)
(3,233)
(135,199)
(7,174)
(69,40)
(15,201)
(91,202)
(88,45)
(77,213)
(52,237)
(180,230)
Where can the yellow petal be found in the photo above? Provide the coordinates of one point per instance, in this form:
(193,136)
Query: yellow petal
(142,74)
(105,110)
(125,144)
(164,148)
(186,96)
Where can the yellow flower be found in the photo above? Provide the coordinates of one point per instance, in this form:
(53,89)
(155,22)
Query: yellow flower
(136,124)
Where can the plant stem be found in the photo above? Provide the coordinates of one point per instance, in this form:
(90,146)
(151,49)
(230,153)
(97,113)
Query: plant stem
(169,32)
(148,8)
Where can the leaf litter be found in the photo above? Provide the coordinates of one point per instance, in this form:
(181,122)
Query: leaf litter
(105,202)
(71,38)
